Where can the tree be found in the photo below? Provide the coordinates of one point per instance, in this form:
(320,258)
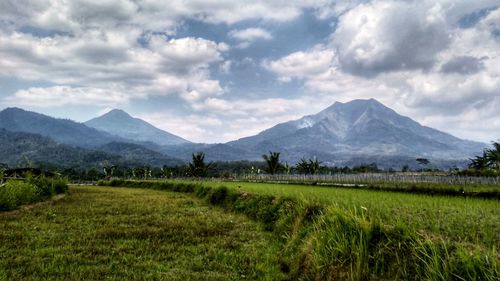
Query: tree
(109,170)
(167,172)
(489,159)
(303,166)
(198,167)
(423,161)
(273,162)
(493,155)
(308,167)
(479,162)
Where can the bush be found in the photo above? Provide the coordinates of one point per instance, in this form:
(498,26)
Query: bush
(15,193)
(60,185)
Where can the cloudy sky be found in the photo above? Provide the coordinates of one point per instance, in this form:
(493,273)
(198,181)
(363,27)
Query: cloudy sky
(217,70)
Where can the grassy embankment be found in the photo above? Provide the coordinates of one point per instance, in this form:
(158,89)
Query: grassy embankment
(330,233)
(100,233)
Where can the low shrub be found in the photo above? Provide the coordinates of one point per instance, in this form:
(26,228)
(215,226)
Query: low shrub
(17,192)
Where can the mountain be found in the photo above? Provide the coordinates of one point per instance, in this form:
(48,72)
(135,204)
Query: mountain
(19,149)
(135,153)
(61,130)
(118,122)
(213,152)
(22,149)
(357,129)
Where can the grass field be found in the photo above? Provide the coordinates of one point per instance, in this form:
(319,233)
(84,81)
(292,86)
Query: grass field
(358,234)
(465,220)
(97,233)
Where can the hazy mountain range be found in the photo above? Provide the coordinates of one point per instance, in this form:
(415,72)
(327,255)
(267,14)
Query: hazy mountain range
(119,123)
(360,131)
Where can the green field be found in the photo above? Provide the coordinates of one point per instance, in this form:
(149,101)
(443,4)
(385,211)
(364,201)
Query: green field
(201,230)
(332,233)
(97,233)
(465,220)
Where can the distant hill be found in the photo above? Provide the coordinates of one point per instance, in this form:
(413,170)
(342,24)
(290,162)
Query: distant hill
(61,130)
(139,154)
(118,122)
(213,152)
(355,130)
(19,149)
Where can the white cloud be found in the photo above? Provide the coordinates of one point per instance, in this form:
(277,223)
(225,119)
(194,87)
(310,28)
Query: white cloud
(302,64)
(65,95)
(113,61)
(386,36)
(249,35)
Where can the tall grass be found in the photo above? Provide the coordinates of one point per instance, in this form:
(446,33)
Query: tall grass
(325,242)
(33,189)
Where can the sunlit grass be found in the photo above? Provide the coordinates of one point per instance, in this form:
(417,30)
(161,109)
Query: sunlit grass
(467,220)
(122,234)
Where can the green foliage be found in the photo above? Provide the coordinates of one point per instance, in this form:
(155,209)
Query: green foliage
(15,193)
(489,160)
(198,167)
(310,167)
(33,189)
(274,165)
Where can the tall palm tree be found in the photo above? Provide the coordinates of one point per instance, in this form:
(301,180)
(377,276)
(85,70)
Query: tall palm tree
(314,166)
(479,162)
(493,155)
(273,162)
(198,167)
(310,167)
(303,166)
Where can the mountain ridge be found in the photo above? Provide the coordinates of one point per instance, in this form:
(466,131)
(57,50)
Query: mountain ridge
(118,122)
(339,134)
(360,127)
(61,130)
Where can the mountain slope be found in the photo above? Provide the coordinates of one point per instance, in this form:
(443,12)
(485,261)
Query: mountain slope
(138,154)
(358,128)
(23,149)
(61,130)
(118,122)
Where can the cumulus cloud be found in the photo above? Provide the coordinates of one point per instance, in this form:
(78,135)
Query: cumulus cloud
(385,36)
(104,60)
(301,64)
(66,95)
(463,65)
(249,35)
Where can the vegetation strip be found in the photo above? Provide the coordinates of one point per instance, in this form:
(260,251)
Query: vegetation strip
(327,243)
(17,192)
(478,191)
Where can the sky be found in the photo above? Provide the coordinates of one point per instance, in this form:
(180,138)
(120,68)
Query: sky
(214,71)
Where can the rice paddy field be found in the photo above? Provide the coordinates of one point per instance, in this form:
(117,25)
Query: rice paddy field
(99,233)
(222,230)
(461,219)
